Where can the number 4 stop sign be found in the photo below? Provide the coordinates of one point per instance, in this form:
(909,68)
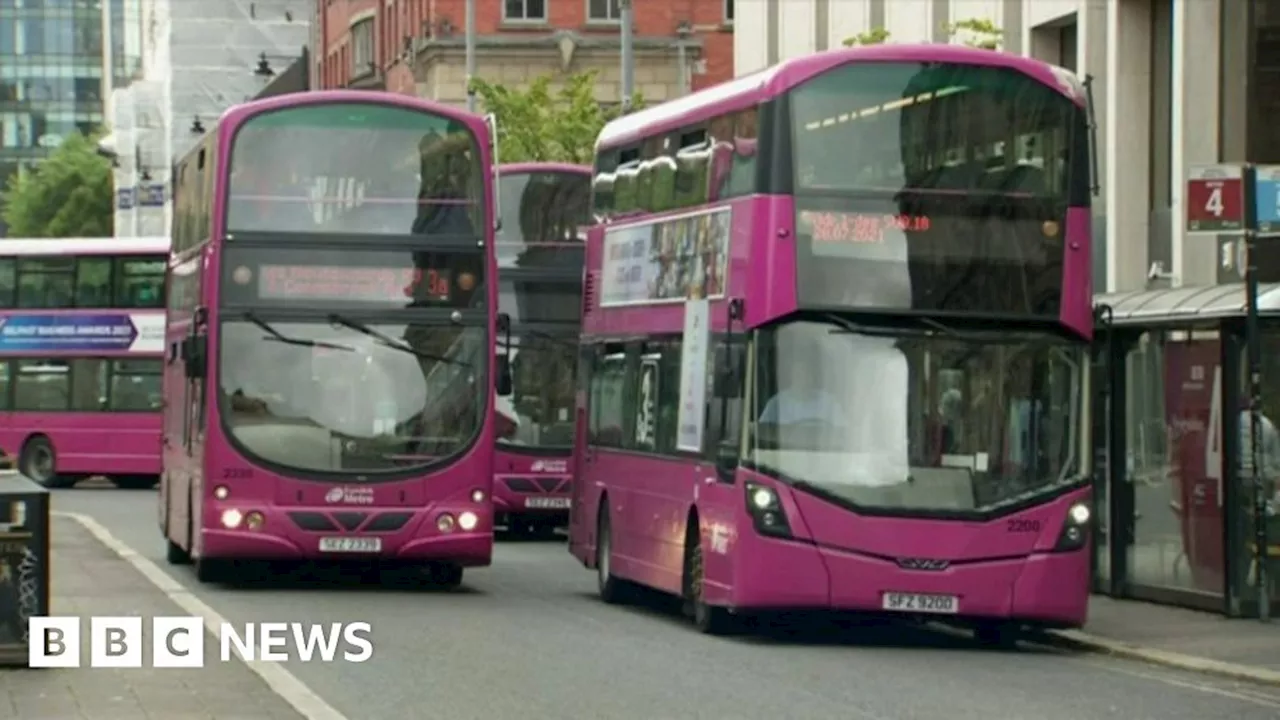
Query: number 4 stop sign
(1215,199)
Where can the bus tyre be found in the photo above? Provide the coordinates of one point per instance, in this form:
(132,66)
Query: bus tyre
(709,619)
(445,576)
(996,635)
(210,570)
(39,463)
(135,482)
(174,554)
(613,590)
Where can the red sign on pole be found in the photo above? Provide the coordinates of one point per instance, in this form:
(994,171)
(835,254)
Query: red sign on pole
(1215,199)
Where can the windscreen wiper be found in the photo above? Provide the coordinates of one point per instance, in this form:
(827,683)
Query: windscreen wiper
(281,337)
(849,326)
(391,342)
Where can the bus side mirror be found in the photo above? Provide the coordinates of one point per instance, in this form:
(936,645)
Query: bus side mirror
(502,376)
(194,355)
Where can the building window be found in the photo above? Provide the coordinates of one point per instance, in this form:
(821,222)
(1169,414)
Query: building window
(604,10)
(728,11)
(362,47)
(525,10)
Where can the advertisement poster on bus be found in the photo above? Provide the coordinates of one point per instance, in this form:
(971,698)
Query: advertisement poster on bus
(666,261)
(1193,407)
(123,332)
(694,352)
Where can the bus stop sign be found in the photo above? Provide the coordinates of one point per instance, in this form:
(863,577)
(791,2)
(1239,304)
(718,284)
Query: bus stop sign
(1266,198)
(1215,199)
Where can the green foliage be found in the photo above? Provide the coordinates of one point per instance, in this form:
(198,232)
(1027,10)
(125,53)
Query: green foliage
(874,36)
(67,195)
(542,124)
(978,32)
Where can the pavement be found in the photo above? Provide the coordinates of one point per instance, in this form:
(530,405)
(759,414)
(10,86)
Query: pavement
(528,638)
(88,578)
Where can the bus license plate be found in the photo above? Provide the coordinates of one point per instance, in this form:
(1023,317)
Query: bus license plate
(552,503)
(916,602)
(351,544)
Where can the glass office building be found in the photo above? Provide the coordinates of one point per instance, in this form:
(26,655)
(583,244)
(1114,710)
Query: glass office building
(51,73)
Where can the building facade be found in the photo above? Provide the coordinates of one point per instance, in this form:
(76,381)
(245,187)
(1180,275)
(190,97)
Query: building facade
(1175,84)
(418,46)
(59,62)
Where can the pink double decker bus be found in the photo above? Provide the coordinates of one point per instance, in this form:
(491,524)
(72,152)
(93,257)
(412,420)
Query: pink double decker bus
(81,351)
(835,342)
(540,265)
(331,361)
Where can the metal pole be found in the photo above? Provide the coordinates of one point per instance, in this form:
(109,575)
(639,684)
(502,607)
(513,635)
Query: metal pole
(1253,339)
(471,54)
(628,55)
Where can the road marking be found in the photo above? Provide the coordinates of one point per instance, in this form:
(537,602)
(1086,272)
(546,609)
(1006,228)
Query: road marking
(1256,697)
(281,681)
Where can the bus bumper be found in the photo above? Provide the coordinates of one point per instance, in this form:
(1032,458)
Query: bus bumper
(1048,589)
(466,549)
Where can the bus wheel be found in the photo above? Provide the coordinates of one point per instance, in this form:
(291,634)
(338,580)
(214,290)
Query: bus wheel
(445,576)
(613,591)
(709,619)
(135,482)
(174,554)
(997,635)
(39,462)
(211,570)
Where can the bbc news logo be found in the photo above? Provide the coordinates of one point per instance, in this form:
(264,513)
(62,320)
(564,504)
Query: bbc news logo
(179,642)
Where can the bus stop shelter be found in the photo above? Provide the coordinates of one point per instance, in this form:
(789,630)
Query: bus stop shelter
(1170,387)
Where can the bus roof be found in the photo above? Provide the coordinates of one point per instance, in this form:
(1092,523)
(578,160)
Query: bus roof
(757,87)
(20,247)
(237,114)
(533,167)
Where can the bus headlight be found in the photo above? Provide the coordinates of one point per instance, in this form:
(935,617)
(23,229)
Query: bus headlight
(1075,531)
(468,521)
(231,519)
(477,496)
(766,511)
(445,523)
(221,492)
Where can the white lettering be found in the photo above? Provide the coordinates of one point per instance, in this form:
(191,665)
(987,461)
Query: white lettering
(319,638)
(358,634)
(273,639)
(244,644)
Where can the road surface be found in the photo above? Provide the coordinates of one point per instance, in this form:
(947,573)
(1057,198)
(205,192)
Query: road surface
(527,638)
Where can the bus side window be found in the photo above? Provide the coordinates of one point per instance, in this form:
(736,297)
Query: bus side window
(725,406)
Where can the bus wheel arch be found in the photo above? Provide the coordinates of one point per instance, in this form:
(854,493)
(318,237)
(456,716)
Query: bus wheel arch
(38,460)
(709,619)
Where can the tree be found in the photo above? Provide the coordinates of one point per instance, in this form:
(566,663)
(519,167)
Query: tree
(874,36)
(977,32)
(69,194)
(542,124)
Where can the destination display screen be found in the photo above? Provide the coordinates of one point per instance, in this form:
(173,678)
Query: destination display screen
(324,278)
(857,227)
(352,284)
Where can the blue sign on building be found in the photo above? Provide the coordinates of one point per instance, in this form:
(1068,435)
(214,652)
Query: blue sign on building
(125,198)
(151,195)
(1266,198)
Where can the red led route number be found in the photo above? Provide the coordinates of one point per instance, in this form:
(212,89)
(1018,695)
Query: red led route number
(857,228)
(1215,199)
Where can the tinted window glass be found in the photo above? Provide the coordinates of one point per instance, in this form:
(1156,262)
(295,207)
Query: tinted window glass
(355,168)
(313,396)
(913,180)
(541,215)
(140,283)
(42,385)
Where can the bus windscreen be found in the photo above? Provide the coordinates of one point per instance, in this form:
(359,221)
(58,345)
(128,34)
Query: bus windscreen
(355,168)
(941,174)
